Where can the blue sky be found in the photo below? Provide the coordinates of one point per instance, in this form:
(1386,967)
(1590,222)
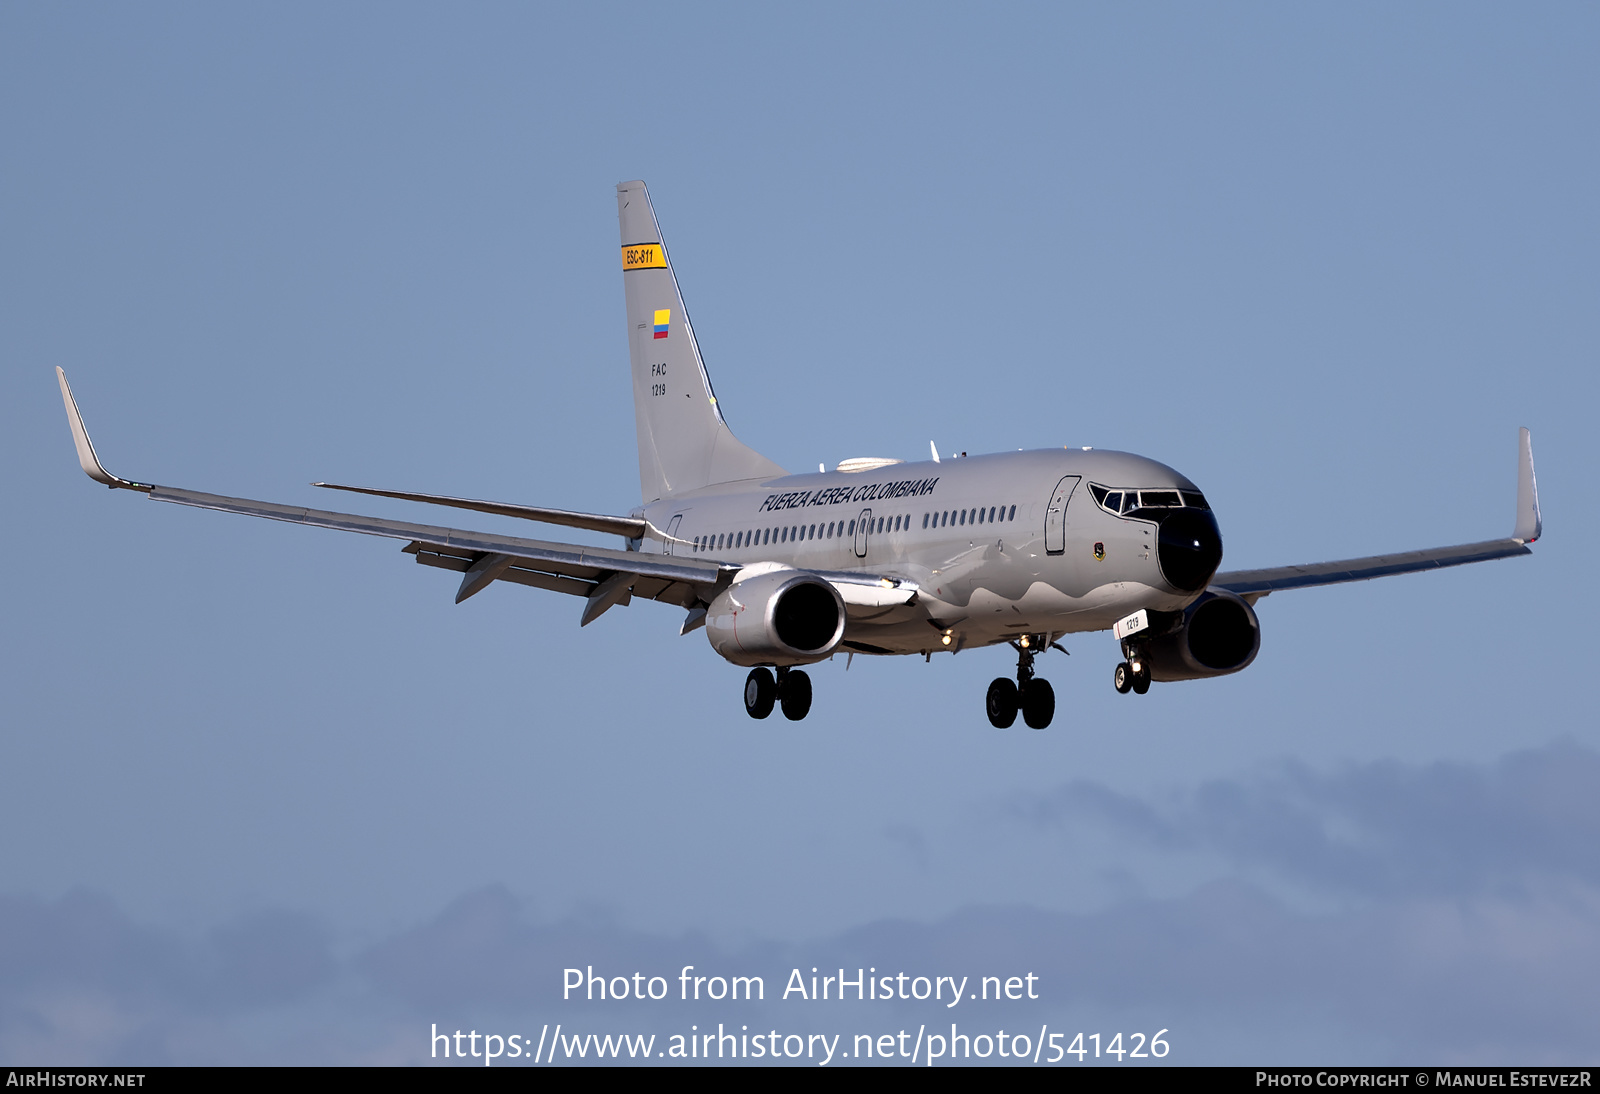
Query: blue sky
(1323,260)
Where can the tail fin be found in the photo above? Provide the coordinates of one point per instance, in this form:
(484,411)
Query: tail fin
(683,442)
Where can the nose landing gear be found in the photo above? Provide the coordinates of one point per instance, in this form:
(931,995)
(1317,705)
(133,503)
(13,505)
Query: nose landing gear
(1033,696)
(1133,674)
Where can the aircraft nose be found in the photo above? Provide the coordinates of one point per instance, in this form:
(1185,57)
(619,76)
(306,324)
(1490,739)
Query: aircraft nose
(1189,548)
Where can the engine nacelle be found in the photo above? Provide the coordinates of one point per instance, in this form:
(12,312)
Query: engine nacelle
(786,617)
(1218,634)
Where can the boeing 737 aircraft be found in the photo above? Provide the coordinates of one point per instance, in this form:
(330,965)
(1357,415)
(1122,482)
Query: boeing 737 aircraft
(877,556)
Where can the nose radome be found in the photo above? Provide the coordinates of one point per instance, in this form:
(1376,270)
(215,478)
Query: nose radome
(1189,548)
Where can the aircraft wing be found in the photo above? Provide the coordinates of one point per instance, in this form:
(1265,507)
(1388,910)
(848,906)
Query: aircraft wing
(560,567)
(1253,584)
(604,576)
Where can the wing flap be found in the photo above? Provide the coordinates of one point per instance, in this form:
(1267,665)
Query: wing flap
(557,577)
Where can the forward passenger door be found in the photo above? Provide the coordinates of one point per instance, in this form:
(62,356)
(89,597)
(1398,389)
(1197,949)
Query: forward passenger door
(1055,516)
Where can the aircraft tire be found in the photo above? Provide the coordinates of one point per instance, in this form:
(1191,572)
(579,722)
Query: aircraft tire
(1141,682)
(794,695)
(1123,678)
(1038,703)
(760,691)
(1001,703)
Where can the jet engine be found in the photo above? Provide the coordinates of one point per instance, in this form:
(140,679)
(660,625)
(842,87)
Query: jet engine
(787,617)
(1216,635)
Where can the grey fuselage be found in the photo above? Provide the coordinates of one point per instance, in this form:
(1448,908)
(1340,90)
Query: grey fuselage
(1020,569)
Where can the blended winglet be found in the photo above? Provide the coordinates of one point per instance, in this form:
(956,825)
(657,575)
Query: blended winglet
(87,459)
(1530,525)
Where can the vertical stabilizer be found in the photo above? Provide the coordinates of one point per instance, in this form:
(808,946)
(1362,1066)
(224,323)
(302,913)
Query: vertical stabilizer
(683,442)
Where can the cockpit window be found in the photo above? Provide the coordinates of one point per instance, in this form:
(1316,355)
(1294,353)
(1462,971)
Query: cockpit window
(1125,501)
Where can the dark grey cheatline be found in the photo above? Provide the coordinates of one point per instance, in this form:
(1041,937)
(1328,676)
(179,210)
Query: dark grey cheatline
(878,556)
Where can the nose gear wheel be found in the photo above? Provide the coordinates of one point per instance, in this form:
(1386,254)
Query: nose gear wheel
(1127,678)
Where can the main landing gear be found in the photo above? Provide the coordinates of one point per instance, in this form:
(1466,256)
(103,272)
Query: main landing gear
(791,691)
(1133,674)
(1032,695)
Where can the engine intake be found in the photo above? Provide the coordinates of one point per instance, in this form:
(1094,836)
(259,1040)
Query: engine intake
(1218,634)
(787,617)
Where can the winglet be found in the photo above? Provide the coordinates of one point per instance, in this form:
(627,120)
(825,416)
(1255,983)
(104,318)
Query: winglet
(1529,524)
(80,437)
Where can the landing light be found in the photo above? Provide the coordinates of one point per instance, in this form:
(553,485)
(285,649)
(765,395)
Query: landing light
(1024,641)
(944,639)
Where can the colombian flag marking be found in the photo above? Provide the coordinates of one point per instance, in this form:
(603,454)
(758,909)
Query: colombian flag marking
(663,320)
